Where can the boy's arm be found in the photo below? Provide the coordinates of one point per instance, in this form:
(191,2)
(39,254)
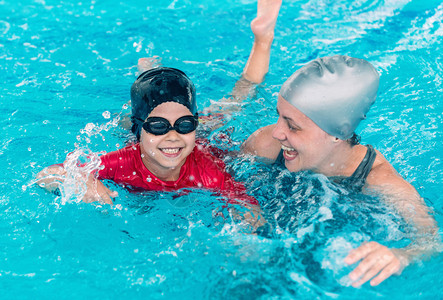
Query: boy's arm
(251,215)
(52,177)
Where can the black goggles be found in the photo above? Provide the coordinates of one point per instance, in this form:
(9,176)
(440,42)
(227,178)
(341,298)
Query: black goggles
(161,126)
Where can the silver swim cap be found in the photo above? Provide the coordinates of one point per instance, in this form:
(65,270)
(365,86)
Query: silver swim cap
(334,92)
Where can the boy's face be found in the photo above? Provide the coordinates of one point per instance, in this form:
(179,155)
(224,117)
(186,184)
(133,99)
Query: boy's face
(164,155)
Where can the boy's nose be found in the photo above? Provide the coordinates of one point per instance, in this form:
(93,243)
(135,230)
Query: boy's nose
(172,135)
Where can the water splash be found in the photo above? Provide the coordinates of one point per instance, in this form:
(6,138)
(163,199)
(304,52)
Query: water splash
(83,162)
(95,130)
(79,166)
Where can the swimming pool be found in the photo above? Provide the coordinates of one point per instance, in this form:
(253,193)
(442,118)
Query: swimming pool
(67,68)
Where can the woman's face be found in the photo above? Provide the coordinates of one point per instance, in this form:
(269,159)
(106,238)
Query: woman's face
(163,154)
(305,146)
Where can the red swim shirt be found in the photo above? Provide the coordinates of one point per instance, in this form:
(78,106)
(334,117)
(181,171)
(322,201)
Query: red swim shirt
(200,170)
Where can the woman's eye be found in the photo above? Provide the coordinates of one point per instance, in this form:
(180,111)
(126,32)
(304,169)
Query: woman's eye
(291,127)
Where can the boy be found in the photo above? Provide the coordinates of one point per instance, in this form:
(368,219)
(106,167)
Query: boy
(166,157)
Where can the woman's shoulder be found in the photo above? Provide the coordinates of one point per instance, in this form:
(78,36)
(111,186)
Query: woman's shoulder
(261,143)
(383,173)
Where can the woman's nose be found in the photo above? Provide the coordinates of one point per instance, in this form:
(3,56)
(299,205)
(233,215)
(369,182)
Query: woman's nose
(279,132)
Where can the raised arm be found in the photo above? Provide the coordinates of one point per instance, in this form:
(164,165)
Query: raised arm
(263,29)
(257,65)
(258,62)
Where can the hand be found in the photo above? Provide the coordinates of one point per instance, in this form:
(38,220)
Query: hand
(147,63)
(378,262)
(250,216)
(97,191)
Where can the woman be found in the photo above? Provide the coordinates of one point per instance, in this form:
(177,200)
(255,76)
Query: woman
(319,107)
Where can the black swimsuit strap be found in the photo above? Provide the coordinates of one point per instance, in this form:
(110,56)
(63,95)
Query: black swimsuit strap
(364,168)
(357,180)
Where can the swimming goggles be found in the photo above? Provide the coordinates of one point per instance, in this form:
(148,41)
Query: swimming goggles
(161,126)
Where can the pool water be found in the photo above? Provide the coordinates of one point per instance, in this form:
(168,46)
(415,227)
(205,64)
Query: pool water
(66,69)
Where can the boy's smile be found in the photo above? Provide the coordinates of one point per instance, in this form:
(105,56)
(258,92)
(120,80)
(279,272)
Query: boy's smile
(171,152)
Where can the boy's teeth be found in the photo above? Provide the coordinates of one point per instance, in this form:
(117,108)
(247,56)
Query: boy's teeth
(285,148)
(170,150)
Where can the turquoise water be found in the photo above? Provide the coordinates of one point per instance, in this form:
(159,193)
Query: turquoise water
(66,72)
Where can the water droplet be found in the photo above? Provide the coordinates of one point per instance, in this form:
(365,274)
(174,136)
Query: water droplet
(133,173)
(29,149)
(142,155)
(149,179)
(89,127)
(106,114)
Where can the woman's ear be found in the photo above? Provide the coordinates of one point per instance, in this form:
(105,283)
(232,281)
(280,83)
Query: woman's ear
(334,139)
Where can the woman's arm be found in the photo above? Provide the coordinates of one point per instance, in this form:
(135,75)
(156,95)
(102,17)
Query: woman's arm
(257,65)
(379,262)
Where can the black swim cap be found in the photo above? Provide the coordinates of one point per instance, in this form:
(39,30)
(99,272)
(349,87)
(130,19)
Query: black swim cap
(157,86)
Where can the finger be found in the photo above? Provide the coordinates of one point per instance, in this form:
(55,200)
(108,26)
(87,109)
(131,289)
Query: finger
(361,252)
(390,269)
(366,264)
(378,264)
(107,200)
(104,197)
(108,196)
(113,194)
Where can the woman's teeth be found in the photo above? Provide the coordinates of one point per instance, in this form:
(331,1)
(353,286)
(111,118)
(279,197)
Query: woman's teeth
(285,148)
